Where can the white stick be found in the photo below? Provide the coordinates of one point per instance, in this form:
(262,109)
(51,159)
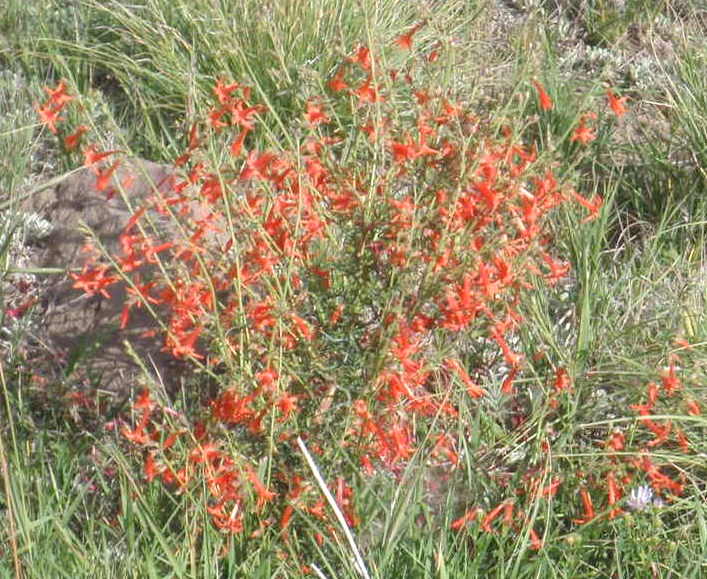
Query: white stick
(318,571)
(337,511)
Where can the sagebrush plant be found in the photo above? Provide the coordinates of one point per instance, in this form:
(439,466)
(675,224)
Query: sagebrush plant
(348,286)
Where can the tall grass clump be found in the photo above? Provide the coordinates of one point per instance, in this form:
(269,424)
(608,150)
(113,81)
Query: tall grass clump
(158,60)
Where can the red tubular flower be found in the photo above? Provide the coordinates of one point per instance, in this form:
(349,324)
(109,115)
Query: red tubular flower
(405,40)
(592,205)
(614,494)
(138,435)
(336,314)
(367,93)
(58,95)
(303,328)
(661,431)
(315,114)
(230,522)
(582,133)
(49,116)
(616,103)
(693,408)
(659,481)
(362,57)
(588,507)
(237,145)
(551,489)
(71,141)
(465,519)
(545,100)
(94,280)
(104,176)
(150,469)
(562,380)
(473,389)
(535,541)
(683,441)
(264,495)
(491,517)
(616,441)
(287,404)
(92,156)
(243,115)
(670,381)
(508,513)
(223,91)
(337,83)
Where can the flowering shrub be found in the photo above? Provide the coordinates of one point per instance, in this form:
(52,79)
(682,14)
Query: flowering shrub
(341,285)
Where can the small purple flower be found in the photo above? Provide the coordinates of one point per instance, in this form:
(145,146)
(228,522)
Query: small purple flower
(642,498)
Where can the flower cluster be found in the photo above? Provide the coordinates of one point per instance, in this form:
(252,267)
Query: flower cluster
(329,283)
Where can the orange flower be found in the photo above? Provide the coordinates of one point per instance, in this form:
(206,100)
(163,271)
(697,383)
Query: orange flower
(682,439)
(617,441)
(551,489)
(287,404)
(562,380)
(231,522)
(545,100)
(362,57)
(535,541)
(49,115)
(434,53)
(138,435)
(616,103)
(94,280)
(303,328)
(337,84)
(593,205)
(243,115)
(661,432)
(405,40)
(315,114)
(558,269)
(181,344)
(104,176)
(193,137)
(264,495)
(223,91)
(614,494)
(367,93)
(72,141)
(693,408)
(465,519)
(491,516)
(473,389)
(507,386)
(588,507)
(58,95)
(583,134)
(286,516)
(150,468)
(670,380)
(237,144)
(144,401)
(405,151)
(336,314)
(92,156)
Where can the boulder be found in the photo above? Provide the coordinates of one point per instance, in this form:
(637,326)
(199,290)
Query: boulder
(83,332)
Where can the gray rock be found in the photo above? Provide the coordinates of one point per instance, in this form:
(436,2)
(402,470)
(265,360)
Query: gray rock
(78,327)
